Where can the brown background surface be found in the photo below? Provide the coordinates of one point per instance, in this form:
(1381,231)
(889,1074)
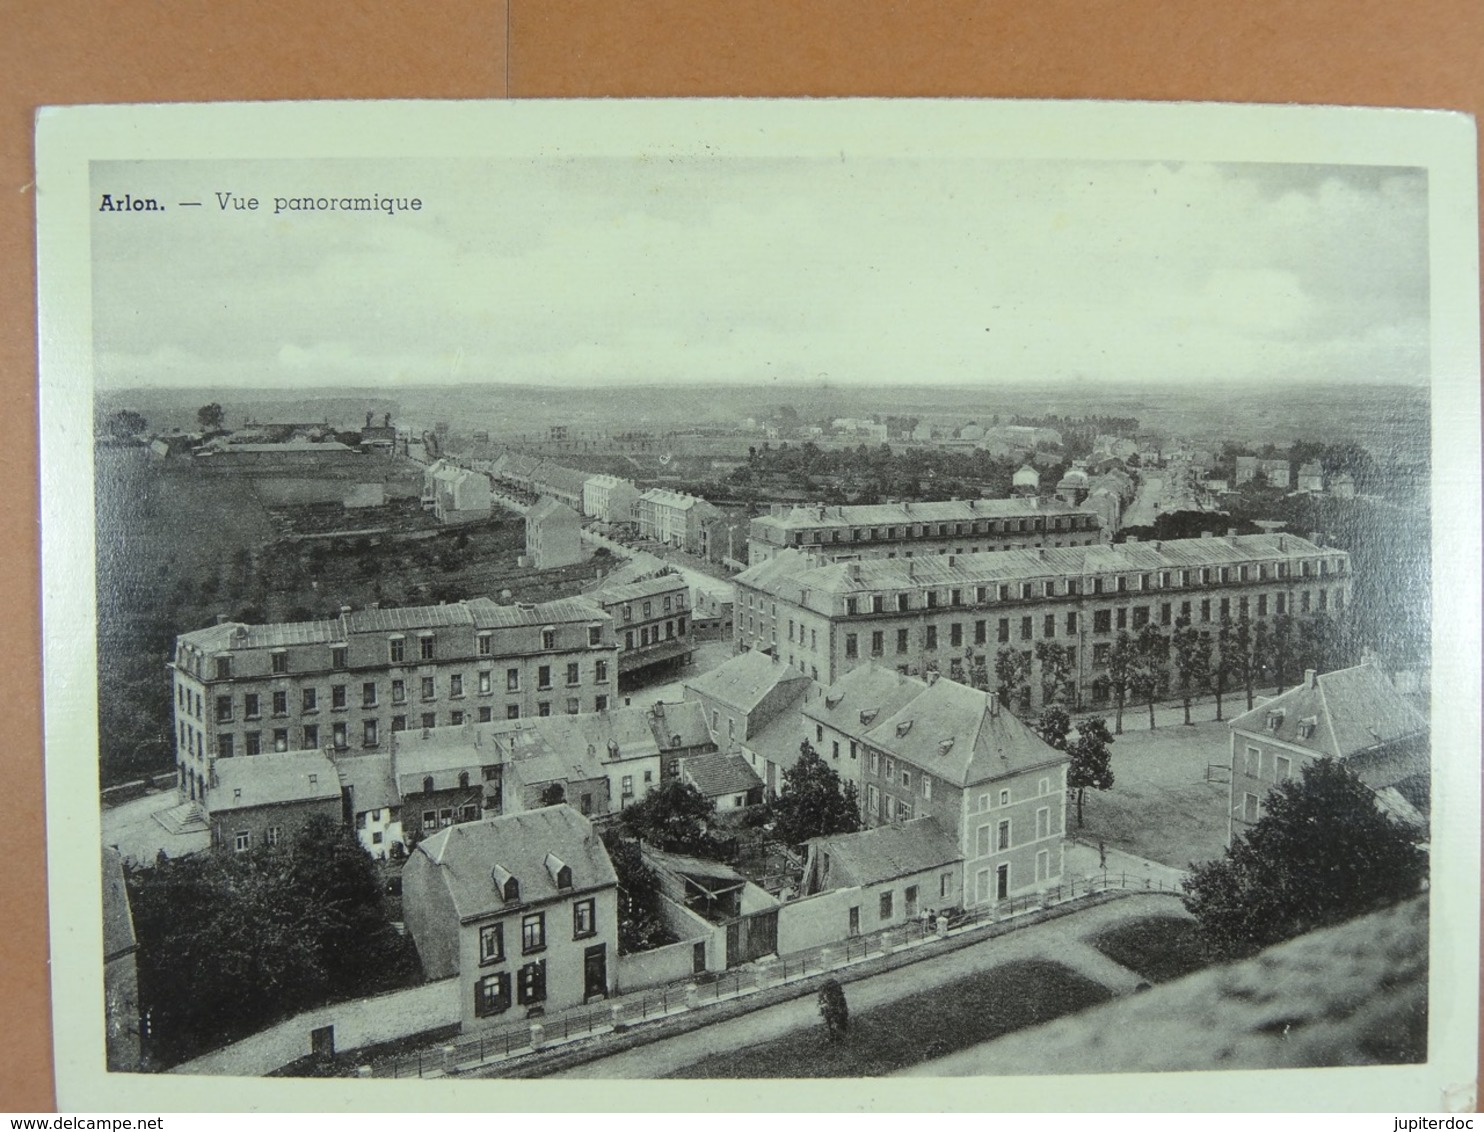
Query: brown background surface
(1424,53)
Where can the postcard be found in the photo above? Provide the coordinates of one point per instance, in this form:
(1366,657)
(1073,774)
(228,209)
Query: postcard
(916,605)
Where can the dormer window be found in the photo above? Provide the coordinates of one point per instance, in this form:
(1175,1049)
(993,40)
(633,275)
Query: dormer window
(868,716)
(904,727)
(506,884)
(945,745)
(1307,727)
(1274,720)
(559,871)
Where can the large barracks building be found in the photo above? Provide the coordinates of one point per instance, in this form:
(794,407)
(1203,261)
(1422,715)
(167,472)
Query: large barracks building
(925,613)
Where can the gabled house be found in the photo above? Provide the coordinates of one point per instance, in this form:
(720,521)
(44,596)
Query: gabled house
(370,802)
(839,718)
(998,791)
(726,779)
(522,909)
(553,534)
(1353,715)
(266,799)
(746,695)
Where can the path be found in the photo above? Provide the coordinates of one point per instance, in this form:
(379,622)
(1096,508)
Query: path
(133,830)
(1060,940)
(694,578)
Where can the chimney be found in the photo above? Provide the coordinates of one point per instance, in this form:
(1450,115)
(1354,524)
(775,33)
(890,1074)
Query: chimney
(344,609)
(932,677)
(1282,542)
(1311,678)
(1132,538)
(1158,545)
(221,618)
(994,703)
(1041,553)
(1205,534)
(950,559)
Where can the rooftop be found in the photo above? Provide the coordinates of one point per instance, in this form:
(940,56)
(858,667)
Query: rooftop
(890,851)
(272,779)
(610,591)
(744,680)
(854,702)
(1339,714)
(868,514)
(717,774)
(465,856)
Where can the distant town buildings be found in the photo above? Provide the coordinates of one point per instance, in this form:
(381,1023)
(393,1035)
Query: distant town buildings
(674,518)
(553,535)
(651,621)
(456,495)
(609,498)
(752,707)
(935,613)
(905,530)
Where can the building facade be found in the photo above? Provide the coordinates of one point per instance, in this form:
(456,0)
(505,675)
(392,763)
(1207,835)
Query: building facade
(522,909)
(609,499)
(350,681)
(269,799)
(651,621)
(553,535)
(1355,716)
(905,530)
(949,613)
(674,518)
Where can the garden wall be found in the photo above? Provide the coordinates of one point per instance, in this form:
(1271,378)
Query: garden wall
(359,1022)
(816,920)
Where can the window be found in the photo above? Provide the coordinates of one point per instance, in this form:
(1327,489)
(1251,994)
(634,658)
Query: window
(932,637)
(886,902)
(1282,768)
(254,742)
(429,720)
(1003,630)
(574,705)
(224,668)
(280,738)
(368,694)
(224,746)
(595,635)
(399,723)
(397,650)
(512,679)
(1002,835)
(484,683)
(878,643)
(543,707)
(531,987)
(1026,625)
(337,657)
(600,672)
(369,735)
(242,840)
(1252,762)
(492,994)
(338,734)
(399,691)
(533,933)
(1141,616)
(456,718)
(584,919)
(628,639)
(512,711)
(491,943)
(337,697)
(1250,810)
(574,675)
(543,677)
(280,662)
(273,835)
(1004,797)
(852,646)
(927,786)
(224,709)
(425,647)
(311,736)
(1102,621)
(485,645)
(548,639)
(1122,618)
(1043,823)
(280,703)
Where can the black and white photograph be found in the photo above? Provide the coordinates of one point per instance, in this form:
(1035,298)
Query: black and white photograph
(937,602)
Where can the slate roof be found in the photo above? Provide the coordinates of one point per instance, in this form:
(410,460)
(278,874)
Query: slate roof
(855,702)
(885,514)
(958,734)
(798,572)
(1353,709)
(610,592)
(463,856)
(889,852)
(718,774)
(546,507)
(569,481)
(778,740)
(408,618)
(370,781)
(489,615)
(686,719)
(236,635)
(118,919)
(744,680)
(273,779)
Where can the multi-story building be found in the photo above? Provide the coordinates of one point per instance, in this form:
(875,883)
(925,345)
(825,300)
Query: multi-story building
(522,909)
(995,788)
(905,530)
(455,494)
(651,621)
(610,499)
(566,485)
(350,681)
(752,708)
(674,518)
(1355,716)
(553,534)
(948,613)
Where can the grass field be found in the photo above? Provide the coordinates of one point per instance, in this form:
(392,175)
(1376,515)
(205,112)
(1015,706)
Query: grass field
(901,1034)
(1161,807)
(1160,948)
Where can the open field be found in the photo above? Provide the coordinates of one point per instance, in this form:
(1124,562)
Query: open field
(1160,948)
(936,1022)
(1161,806)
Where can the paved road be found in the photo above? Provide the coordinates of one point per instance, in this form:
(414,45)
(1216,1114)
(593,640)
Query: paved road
(693,578)
(1061,940)
(132,828)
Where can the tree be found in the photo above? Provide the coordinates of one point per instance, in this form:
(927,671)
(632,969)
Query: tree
(1056,671)
(812,802)
(641,924)
(1153,650)
(1192,661)
(834,1009)
(1321,853)
(126,424)
(1091,760)
(675,817)
(1123,665)
(1281,645)
(210,417)
(1226,659)
(1012,669)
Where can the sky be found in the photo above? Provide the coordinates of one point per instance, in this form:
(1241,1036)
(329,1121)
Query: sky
(579,270)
